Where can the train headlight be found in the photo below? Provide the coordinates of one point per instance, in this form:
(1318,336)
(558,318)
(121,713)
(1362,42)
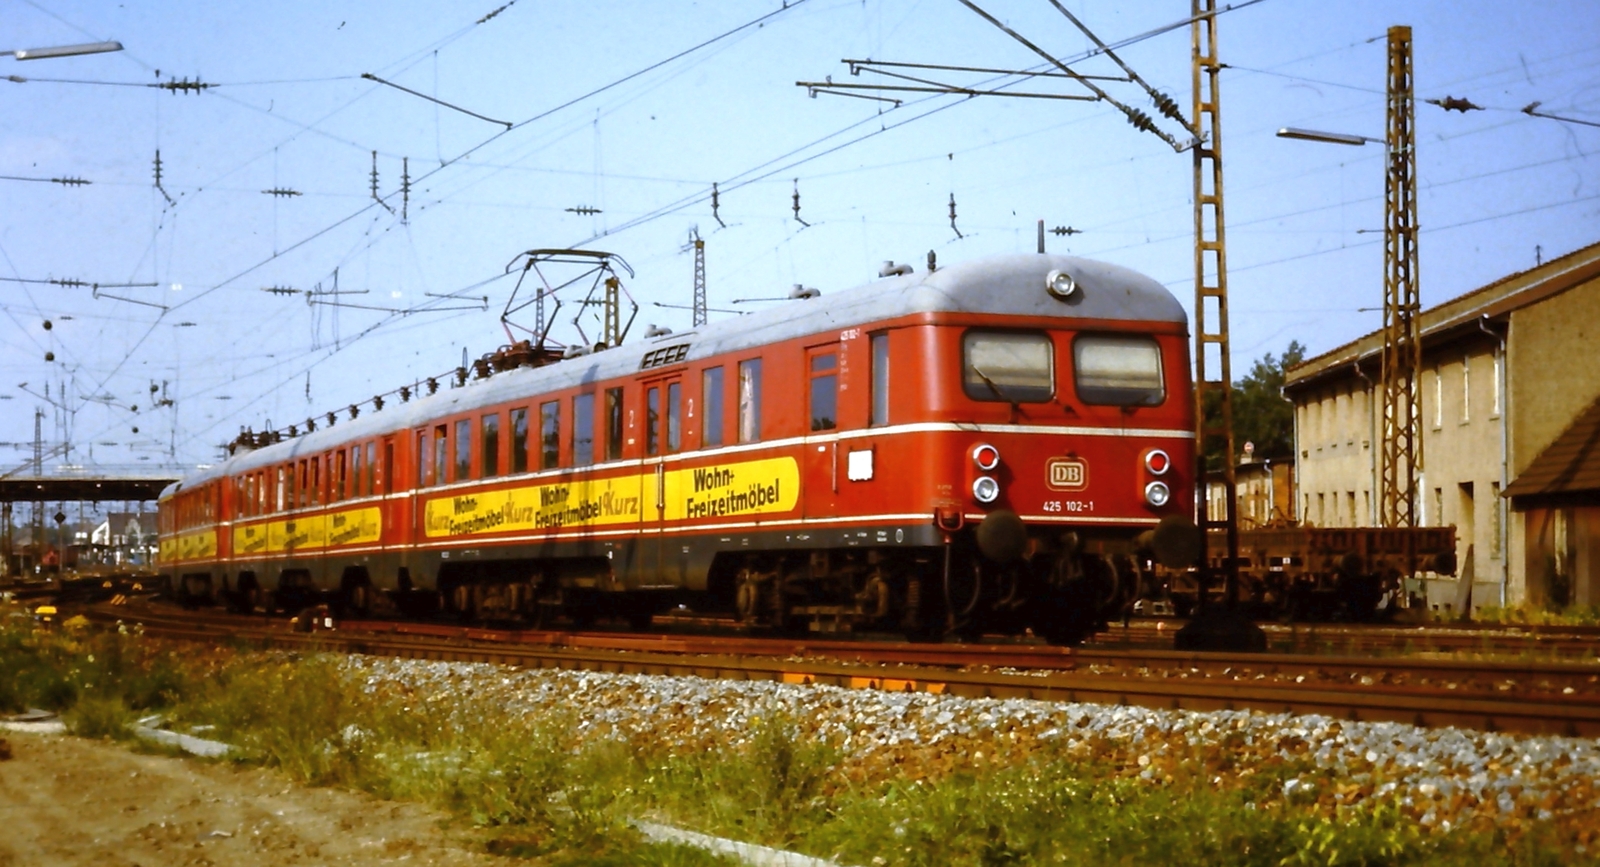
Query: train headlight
(1158,462)
(986,456)
(985,489)
(1157,494)
(1060,284)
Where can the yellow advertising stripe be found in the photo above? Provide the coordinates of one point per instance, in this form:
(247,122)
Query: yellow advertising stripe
(194,545)
(761,487)
(309,533)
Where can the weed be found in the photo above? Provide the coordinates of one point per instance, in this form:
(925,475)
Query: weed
(100,717)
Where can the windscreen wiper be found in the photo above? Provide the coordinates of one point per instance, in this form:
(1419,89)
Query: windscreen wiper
(1015,407)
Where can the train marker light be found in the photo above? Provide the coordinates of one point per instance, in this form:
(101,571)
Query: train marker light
(1060,284)
(1158,462)
(986,456)
(985,489)
(1157,494)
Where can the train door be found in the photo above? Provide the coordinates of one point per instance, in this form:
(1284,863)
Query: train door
(662,559)
(820,463)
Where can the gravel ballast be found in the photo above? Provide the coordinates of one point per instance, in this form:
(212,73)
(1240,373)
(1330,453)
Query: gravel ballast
(1442,776)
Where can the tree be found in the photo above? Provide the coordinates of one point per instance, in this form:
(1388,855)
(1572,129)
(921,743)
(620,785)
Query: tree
(1261,414)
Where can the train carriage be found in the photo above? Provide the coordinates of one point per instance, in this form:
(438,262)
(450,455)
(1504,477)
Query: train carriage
(976,448)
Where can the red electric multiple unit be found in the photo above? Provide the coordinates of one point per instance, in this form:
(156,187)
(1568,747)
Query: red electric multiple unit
(973,449)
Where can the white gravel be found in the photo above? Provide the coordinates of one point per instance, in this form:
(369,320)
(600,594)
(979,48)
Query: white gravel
(1443,776)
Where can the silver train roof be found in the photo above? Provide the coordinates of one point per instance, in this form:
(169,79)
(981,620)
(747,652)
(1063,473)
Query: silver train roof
(1011,284)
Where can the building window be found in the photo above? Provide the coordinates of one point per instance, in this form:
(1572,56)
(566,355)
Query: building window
(711,407)
(519,440)
(750,401)
(1466,389)
(1350,498)
(880,380)
(613,424)
(550,435)
(824,391)
(489,439)
(1438,397)
(463,450)
(583,430)
(1438,509)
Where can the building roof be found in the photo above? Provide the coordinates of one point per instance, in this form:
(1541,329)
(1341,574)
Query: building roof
(1494,302)
(1570,465)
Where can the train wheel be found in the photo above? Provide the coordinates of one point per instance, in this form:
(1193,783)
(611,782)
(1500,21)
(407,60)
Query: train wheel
(248,595)
(747,598)
(1065,615)
(357,601)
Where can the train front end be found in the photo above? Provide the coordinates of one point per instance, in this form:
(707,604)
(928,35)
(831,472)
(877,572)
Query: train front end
(1065,440)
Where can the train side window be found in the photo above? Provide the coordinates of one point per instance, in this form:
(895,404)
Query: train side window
(613,424)
(550,435)
(278,490)
(463,450)
(368,487)
(341,478)
(356,479)
(582,430)
(316,482)
(750,401)
(519,440)
(652,410)
(441,454)
(390,484)
(1118,369)
(489,431)
(711,407)
(1008,366)
(302,487)
(880,379)
(824,391)
(424,466)
(674,416)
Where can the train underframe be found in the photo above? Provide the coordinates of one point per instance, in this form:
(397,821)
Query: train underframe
(1060,584)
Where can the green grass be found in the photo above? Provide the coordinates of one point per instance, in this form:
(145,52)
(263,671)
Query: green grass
(1571,615)
(542,787)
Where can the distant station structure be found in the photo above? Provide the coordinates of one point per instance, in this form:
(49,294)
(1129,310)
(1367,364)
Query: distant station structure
(48,536)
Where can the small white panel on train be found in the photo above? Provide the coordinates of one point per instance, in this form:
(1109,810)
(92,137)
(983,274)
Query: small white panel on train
(860,466)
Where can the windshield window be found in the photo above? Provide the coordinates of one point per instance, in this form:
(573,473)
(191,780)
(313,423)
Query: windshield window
(1118,369)
(1010,366)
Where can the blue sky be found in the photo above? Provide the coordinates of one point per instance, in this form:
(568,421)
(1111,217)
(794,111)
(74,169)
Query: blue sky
(1498,189)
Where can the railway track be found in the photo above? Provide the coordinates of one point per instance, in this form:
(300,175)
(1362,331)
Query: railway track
(1520,696)
(1536,640)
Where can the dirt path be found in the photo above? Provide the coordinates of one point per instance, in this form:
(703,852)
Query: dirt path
(67,801)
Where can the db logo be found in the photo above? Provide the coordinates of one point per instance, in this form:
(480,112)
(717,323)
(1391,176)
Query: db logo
(1067,474)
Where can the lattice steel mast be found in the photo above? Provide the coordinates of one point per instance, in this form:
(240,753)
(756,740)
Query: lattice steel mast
(1402,344)
(1211,297)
